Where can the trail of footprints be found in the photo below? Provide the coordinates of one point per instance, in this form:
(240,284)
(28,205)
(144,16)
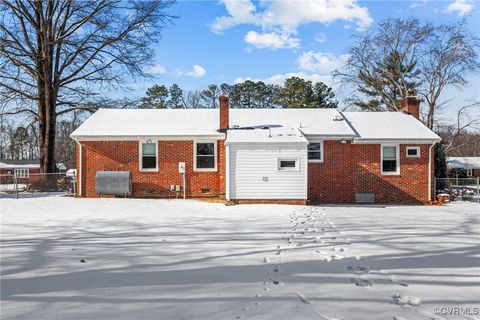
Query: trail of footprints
(311,229)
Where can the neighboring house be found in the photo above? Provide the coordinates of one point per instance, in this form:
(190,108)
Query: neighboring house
(26,170)
(470,165)
(262,155)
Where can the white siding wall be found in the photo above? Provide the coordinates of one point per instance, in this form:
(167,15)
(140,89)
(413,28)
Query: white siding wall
(250,163)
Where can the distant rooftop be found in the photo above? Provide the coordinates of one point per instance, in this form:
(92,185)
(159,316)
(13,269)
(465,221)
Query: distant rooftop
(464,162)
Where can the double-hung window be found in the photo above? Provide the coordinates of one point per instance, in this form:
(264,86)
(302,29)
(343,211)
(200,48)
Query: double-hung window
(148,156)
(315,152)
(390,159)
(205,156)
(22,173)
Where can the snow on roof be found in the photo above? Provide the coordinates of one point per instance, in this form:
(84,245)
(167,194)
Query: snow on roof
(149,122)
(464,162)
(274,135)
(309,121)
(364,126)
(19,166)
(393,126)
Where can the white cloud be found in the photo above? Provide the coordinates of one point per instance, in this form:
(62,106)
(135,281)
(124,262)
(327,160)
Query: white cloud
(279,79)
(197,72)
(156,69)
(461,7)
(321,37)
(287,15)
(272,40)
(320,62)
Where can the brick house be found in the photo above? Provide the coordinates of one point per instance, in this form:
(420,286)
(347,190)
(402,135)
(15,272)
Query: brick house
(26,170)
(468,166)
(262,155)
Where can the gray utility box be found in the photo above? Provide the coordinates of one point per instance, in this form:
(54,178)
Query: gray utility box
(117,183)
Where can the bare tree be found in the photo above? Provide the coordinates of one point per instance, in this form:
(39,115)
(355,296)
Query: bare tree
(459,135)
(404,54)
(383,64)
(450,54)
(55,55)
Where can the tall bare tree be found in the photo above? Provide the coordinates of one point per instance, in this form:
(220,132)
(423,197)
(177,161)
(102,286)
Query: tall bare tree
(404,54)
(56,55)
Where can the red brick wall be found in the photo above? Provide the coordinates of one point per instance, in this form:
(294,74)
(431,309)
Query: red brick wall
(124,155)
(351,168)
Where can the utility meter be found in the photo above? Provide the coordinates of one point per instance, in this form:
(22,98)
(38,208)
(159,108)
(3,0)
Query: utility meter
(181,167)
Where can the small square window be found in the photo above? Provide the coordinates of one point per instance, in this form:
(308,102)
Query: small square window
(413,152)
(290,164)
(22,173)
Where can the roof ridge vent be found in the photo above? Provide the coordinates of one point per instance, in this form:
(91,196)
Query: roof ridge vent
(337,117)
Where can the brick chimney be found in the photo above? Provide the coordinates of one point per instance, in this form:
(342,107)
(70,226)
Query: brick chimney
(224,108)
(411,105)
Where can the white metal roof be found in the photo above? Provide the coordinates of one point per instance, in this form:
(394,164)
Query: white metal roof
(274,135)
(464,162)
(392,126)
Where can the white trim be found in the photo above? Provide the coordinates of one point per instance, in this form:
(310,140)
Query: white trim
(215,154)
(159,138)
(321,151)
(469,171)
(25,173)
(430,172)
(297,164)
(140,154)
(395,141)
(227,172)
(412,148)
(397,154)
(79,177)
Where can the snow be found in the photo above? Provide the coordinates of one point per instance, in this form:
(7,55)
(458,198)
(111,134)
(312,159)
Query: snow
(274,135)
(19,166)
(388,126)
(185,259)
(187,122)
(464,162)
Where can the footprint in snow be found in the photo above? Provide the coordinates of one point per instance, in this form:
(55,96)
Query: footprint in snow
(406,300)
(361,282)
(358,270)
(276,268)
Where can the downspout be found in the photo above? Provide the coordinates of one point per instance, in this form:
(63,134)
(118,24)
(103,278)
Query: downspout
(227,172)
(430,171)
(79,169)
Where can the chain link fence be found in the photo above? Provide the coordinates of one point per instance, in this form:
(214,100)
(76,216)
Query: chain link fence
(34,185)
(466,189)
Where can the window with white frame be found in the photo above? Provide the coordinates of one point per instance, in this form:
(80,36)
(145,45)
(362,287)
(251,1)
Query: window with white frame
(469,172)
(205,156)
(288,164)
(22,173)
(413,152)
(390,159)
(148,156)
(315,151)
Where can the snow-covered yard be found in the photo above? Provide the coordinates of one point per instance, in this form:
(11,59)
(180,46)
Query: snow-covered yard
(65,258)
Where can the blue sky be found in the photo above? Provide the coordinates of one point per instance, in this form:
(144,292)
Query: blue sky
(229,41)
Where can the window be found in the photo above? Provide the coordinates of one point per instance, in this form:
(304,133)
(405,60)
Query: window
(148,156)
(22,173)
(390,161)
(205,156)
(290,164)
(413,152)
(469,172)
(315,152)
